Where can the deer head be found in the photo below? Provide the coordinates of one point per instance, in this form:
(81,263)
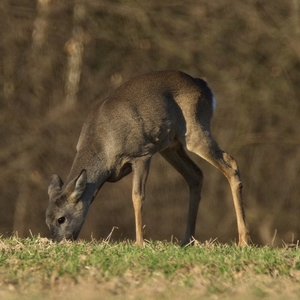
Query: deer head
(66,211)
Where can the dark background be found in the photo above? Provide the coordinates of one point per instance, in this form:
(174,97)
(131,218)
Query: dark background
(58,58)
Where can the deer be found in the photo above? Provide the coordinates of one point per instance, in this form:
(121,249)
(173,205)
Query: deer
(166,112)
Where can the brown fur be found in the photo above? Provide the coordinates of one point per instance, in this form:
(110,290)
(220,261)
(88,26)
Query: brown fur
(165,112)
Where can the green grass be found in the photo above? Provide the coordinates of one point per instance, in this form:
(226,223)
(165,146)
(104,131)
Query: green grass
(35,267)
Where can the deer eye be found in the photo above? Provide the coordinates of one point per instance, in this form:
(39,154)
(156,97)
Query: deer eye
(61,220)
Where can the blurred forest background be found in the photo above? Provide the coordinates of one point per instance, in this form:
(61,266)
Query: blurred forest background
(59,57)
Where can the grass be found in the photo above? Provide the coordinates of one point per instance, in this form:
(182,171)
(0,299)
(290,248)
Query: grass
(36,268)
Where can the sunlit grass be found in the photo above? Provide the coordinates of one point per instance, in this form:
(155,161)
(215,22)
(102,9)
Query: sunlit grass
(40,265)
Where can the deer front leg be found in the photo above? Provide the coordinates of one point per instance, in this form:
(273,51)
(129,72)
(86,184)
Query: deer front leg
(140,170)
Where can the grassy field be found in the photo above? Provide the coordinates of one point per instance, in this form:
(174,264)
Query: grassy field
(36,268)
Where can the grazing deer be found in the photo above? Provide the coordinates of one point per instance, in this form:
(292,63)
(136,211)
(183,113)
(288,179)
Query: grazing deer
(165,112)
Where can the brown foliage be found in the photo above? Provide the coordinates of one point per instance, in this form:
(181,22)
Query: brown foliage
(247,50)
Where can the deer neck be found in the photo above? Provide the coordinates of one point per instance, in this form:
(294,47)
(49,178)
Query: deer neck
(97,173)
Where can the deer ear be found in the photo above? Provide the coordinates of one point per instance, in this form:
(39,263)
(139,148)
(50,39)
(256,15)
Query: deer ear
(79,186)
(55,186)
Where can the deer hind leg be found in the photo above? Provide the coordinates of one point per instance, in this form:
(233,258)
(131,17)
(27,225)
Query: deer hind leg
(140,170)
(178,158)
(206,147)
